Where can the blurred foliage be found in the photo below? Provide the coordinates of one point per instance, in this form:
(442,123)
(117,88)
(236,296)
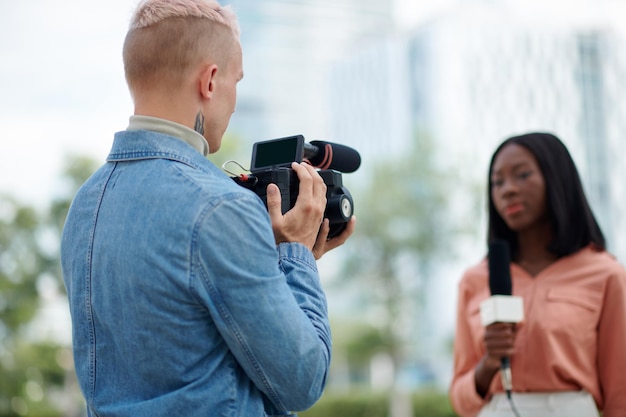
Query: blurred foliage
(19,265)
(402,230)
(365,342)
(23,260)
(369,404)
(36,369)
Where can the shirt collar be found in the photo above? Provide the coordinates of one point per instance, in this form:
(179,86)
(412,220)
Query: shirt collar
(167,127)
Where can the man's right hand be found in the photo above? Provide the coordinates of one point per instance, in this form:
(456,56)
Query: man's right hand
(302,222)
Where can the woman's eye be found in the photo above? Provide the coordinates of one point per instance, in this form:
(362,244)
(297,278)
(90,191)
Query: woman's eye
(524,175)
(497,183)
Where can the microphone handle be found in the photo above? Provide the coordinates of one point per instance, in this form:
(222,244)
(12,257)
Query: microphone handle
(505,374)
(310,151)
(319,156)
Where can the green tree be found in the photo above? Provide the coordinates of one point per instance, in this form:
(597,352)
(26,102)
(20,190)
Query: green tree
(403,227)
(37,370)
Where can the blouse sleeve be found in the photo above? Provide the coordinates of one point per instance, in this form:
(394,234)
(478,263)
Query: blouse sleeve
(463,395)
(612,346)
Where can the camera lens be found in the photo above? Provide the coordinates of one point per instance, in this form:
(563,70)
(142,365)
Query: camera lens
(338,208)
(346,207)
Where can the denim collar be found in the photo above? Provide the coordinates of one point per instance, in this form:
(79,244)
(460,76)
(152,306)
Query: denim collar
(155,124)
(133,145)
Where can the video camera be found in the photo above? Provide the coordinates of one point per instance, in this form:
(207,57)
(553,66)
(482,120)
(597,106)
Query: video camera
(271,164)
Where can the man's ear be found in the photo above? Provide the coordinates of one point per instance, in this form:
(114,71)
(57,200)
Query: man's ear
(207,81)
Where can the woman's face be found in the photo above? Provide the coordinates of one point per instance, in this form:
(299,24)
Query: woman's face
(518,189)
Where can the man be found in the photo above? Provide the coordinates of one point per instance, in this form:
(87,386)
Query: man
(187,297)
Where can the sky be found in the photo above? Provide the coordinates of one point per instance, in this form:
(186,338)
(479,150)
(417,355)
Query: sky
(62,89)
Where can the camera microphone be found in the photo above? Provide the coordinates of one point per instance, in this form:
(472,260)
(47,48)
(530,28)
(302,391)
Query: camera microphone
(326,155)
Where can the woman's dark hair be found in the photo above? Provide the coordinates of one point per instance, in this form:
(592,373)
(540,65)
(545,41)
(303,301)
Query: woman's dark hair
(572,219)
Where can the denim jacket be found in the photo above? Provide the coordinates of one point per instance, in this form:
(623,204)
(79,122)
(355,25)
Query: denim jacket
(182,304)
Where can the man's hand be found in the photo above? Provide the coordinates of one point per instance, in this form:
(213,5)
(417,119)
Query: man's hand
(323,244)
(302,222)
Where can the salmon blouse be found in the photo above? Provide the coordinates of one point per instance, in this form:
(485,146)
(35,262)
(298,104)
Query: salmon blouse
(573,336)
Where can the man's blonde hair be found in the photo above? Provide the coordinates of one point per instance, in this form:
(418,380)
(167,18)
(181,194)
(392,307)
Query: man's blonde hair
(166,38)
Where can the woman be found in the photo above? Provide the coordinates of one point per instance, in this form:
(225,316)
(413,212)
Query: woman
(568,356)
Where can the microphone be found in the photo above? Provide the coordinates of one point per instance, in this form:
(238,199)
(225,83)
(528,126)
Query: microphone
(502,306)
(326,155)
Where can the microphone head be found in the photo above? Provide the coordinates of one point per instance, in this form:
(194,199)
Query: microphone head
(334,156)
(500,268)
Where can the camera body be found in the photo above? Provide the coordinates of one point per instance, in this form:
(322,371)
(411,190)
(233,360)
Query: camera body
(271,164)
